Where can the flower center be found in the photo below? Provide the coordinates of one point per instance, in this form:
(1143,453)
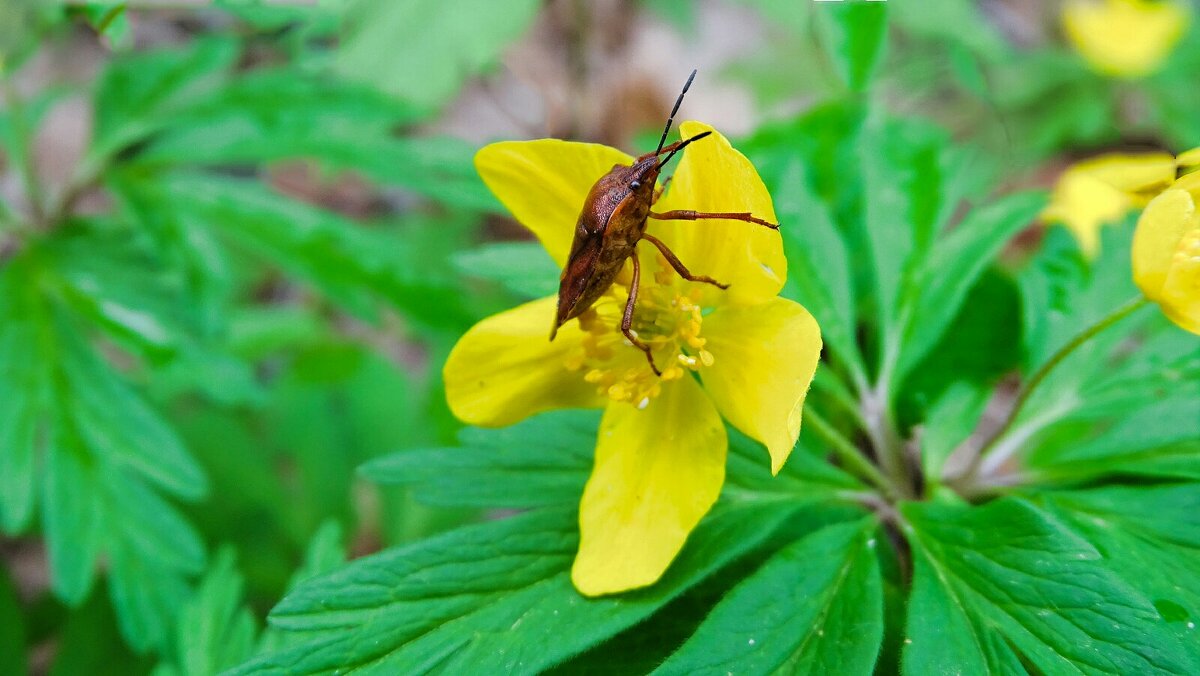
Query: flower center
(667,318)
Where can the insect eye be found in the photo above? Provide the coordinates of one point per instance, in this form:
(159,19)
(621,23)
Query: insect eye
(635,185)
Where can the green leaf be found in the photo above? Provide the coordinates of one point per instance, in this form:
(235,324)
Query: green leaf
(71,516)
(904,175)
(277,114)
(981,346)
(1140,529)
(524,268)
(501,468)
(90,643)
(215,630)
(382,40)
(21,391)
(457,601)
(1136,442)
(110,21)
(955,264)
(819,268)
(272,114)
(138,93)
(814,607)
(1003,585)
(1106,407)
(345,260)
(950,421)
(12,629)
(102,454)
(958,21)
(1064,294)
(853,34)
(325,554)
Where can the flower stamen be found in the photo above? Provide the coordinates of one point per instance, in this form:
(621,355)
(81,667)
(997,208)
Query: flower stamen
(668,318)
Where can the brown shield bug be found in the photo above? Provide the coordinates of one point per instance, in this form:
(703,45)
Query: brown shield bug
(613,221)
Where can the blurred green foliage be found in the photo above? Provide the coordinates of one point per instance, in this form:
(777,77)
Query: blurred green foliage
(215,387)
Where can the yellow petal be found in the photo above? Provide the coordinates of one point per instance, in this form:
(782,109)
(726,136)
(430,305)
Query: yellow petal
(505,368)
(1124,38)
(1166,257)
(657,472)
(1188,161)
(1101,190)
(1144,175)
(543,183)
(1180,299)
(714,177)
(764,359)
(1189,182)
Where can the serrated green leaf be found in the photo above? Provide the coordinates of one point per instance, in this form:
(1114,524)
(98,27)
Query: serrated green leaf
(345,260)
(145,594)
(853,35)
(454,601)
(115,422)
(215,630)
(138,93)
(277,114)
(325,554)
(904,182)
(1135,441)
(21,390)
(501,468)
(382,40)
(1141,529)
(819,276)
(1102,381)
(103,453)
(954,265)
(1001,585)
(1064,294)
(814,607)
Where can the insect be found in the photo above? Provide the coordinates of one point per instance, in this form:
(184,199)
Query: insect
(613,221)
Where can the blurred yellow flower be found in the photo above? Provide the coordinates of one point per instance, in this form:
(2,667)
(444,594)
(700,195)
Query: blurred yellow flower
(1125,38)
(1166,253)
(743,353)
(1101,190)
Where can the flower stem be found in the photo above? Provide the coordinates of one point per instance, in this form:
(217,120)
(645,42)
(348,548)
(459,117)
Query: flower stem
(1121,312)
(848,453)
(831,384)
(886,441)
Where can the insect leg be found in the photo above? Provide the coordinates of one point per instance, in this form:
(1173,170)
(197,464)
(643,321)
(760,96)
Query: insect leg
(661,189)
(689,215)
(678,264)
(627,320)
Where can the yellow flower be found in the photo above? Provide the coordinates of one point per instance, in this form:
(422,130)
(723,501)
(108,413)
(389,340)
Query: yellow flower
(742,353)
(1102,189)
(1166,253)
(1125,38)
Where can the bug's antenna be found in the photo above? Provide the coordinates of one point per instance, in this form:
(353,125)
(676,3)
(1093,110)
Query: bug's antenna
(681,146)
(674,110)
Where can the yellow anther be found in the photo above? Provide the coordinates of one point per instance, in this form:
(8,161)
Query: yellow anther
(668,318)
